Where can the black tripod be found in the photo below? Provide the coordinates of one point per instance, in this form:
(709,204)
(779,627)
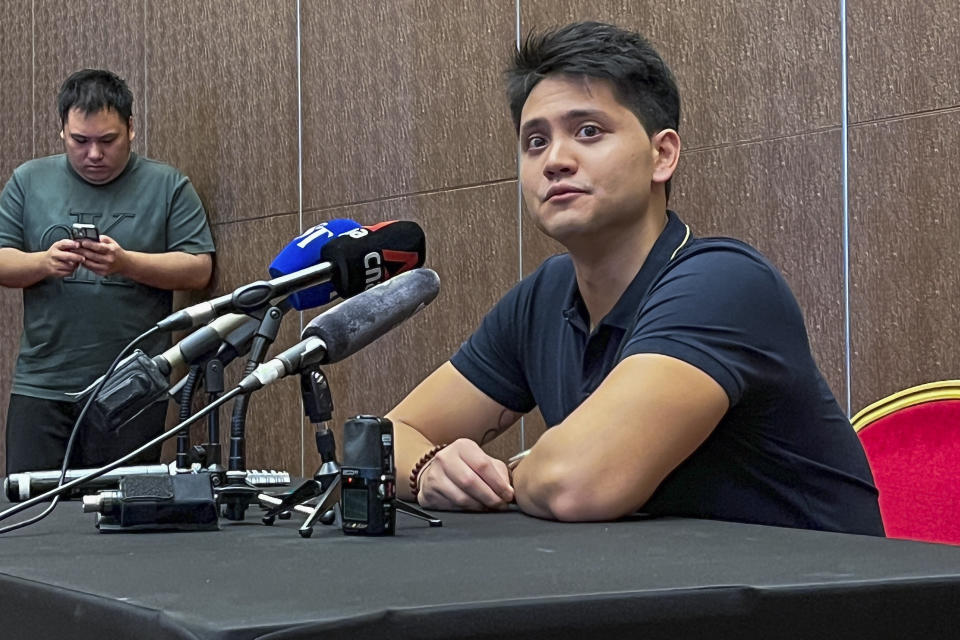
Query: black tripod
(326,482)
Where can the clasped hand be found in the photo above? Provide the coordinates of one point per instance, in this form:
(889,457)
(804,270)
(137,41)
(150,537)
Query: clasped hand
(103,258)
(463,477)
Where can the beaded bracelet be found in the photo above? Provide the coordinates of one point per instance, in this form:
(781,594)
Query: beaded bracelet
(417,468)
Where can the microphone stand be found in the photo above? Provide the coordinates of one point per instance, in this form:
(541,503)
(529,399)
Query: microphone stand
(186,404)
(318,406)
(237,494)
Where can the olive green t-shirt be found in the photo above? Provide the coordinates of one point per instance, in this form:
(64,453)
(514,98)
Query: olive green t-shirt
(74,327)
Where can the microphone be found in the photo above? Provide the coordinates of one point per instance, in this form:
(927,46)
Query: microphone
(370,255)
(204,342)
(304,251)
(139,380)
(350,326)
(354,261)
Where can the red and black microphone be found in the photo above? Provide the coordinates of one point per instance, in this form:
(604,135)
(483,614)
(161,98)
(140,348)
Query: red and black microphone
(367,256)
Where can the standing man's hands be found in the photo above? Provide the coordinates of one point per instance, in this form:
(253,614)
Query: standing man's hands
(104,258)
(61,259)
(463,477)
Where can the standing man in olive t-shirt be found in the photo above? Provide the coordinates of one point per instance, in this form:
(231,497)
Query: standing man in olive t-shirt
(85,300)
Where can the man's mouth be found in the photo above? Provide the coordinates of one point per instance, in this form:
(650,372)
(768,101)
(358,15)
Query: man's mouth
(563,191)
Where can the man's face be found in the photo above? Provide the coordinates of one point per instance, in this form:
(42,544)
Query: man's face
(97,145)
(586,162)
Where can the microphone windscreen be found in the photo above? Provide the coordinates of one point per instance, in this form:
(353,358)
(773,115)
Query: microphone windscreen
(365,257)
(305,251)
(358,321)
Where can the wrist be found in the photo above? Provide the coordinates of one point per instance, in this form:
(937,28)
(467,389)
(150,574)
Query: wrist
(421,466)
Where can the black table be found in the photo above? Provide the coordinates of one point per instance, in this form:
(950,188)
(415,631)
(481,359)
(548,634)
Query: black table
(480,575)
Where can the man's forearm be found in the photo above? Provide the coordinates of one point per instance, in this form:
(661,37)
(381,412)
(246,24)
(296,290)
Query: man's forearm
(19,269)
(174,270)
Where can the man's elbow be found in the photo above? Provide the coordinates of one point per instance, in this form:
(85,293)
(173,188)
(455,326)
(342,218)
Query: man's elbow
(564,494)
(201,273)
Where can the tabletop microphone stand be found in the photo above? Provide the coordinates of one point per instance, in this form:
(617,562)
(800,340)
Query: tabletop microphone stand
(318,407)
(237,494)
(326,482)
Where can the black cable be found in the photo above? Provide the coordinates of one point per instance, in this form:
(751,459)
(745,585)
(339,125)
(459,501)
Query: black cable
(96,473)
(73,436)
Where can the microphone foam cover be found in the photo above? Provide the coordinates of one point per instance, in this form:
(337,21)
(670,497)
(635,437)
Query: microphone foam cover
(358,321)
(305,251)
(368,256)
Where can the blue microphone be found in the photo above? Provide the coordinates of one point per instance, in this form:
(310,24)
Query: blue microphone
(305,251)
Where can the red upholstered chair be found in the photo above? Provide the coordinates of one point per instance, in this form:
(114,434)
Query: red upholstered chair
(912,440)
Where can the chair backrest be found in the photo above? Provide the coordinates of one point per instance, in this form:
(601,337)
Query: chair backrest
(912,441)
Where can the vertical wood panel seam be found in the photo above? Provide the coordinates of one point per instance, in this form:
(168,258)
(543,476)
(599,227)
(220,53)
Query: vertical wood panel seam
(33,78)
(146,85)
(523,432)
(844,175)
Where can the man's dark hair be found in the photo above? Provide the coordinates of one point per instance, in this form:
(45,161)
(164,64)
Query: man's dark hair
(641,80)
(91,91)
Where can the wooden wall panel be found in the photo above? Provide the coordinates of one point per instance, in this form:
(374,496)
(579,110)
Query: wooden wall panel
(16,131)
(403,97)
(904,158)
(902,56)
(223,101)
(905,298)
(84,34)
(746,70)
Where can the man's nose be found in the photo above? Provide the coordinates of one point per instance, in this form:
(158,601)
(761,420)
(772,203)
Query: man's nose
(561,159)
(95,151)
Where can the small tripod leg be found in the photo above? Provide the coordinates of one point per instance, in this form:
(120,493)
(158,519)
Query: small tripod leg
(416,512)
(306,491)
(329,500)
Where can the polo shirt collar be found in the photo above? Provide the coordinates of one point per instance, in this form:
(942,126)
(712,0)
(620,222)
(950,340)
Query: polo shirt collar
(623,313)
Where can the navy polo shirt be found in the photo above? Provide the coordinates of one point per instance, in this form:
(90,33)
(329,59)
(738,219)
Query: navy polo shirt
(784,453)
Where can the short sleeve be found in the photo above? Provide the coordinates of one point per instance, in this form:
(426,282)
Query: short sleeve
(491,358)
(187,227)
(724,309)
(11,214)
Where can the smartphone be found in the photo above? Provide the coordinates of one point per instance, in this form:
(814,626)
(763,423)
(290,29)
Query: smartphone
(81,231)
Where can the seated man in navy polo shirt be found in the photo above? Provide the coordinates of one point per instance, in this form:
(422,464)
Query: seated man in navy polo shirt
(674,372)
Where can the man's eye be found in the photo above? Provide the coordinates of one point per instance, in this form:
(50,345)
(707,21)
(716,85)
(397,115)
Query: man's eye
(589,131)
(536,142)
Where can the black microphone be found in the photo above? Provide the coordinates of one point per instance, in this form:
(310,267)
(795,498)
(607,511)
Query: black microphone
(139,381)
(367,256)
(352,262)
(350,326)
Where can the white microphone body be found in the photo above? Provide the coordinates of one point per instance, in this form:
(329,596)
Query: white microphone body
(202,341)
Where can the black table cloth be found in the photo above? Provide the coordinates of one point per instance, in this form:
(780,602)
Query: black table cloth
(480,575)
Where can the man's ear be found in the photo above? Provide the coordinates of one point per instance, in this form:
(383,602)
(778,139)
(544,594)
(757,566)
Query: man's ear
(666,148)
(130,132)
(61,134)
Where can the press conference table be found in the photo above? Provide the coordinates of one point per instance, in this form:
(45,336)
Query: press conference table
(479,576)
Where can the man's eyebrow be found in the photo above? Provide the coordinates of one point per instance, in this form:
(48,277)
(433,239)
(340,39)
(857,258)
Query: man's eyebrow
(81,136)
(531,125)
(572,115)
